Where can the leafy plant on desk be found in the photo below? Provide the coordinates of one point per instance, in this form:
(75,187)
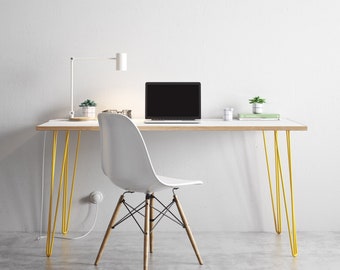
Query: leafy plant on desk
(257,99)
(257,104)
(88,103)
(88,108)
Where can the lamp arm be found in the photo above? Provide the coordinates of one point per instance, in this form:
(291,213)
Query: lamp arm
(93,58)
(121,64)
(72,109)
(72,113)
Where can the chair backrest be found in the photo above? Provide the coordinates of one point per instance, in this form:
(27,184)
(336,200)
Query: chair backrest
(125,159)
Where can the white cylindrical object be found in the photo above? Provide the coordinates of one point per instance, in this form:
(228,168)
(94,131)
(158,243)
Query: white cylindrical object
(121,61)
(228,114)
(257,108)
(89,112)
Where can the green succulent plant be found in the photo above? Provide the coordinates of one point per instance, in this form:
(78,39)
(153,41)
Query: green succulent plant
(257,100)
(88,103)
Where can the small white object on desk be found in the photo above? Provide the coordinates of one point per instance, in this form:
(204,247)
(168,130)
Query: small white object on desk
(228,114)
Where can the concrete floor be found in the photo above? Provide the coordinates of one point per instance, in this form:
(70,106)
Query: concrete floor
(173,251)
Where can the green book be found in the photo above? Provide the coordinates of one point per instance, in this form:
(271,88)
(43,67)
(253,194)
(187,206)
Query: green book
(259,116)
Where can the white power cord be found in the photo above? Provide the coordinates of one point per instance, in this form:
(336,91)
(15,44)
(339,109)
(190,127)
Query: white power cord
(78,237)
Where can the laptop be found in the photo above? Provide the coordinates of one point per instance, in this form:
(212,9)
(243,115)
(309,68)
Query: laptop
(172,102)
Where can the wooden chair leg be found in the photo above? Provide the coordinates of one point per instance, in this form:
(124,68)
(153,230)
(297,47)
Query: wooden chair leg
(188,230)
(146,231)
(151,222)
(109,228)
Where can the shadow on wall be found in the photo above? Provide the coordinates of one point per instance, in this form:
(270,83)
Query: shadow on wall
(21,148)
(20,179)
(230,165)
(223,160)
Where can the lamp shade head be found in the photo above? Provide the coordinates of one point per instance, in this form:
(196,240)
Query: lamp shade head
(121,61)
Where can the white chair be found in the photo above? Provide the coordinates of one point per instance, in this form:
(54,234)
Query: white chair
(126,161)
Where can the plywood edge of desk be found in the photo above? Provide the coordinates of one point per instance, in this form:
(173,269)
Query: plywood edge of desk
(66,128)
(181,128)
(222,128)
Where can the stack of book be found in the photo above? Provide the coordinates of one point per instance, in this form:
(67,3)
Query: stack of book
(259,116)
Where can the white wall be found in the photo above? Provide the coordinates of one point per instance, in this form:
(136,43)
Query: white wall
(286,51)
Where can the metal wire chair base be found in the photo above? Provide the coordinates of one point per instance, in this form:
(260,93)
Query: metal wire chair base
(165,211)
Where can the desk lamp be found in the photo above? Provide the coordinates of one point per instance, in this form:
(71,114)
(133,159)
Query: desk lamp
(121,65)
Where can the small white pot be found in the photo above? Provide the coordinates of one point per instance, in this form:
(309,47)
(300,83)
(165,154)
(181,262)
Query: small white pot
(89,112)
(257,108)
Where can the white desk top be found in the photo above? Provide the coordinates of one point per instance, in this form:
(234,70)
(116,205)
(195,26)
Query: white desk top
(204,125)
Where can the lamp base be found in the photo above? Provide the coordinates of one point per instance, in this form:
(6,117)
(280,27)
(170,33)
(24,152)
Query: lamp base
(83,118)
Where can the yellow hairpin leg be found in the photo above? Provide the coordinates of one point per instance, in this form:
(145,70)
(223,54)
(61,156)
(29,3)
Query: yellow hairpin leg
(63,187)
(50,237)
(292,231)
(278,178)
(276,209)
(67,224)
(291,224)
(64,183)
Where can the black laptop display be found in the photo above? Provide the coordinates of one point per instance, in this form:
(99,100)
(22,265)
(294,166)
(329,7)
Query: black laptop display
(173,100)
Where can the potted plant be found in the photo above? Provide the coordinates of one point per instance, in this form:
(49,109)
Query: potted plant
(257,104)
(89,108)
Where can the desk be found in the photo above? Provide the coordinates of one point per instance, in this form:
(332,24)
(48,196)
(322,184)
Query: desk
(284,125)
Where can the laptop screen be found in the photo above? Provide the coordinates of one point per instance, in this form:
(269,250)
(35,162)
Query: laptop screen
(173,100)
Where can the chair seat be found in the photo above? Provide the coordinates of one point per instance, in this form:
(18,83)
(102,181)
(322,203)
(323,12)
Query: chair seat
(163,182)
(176,182)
